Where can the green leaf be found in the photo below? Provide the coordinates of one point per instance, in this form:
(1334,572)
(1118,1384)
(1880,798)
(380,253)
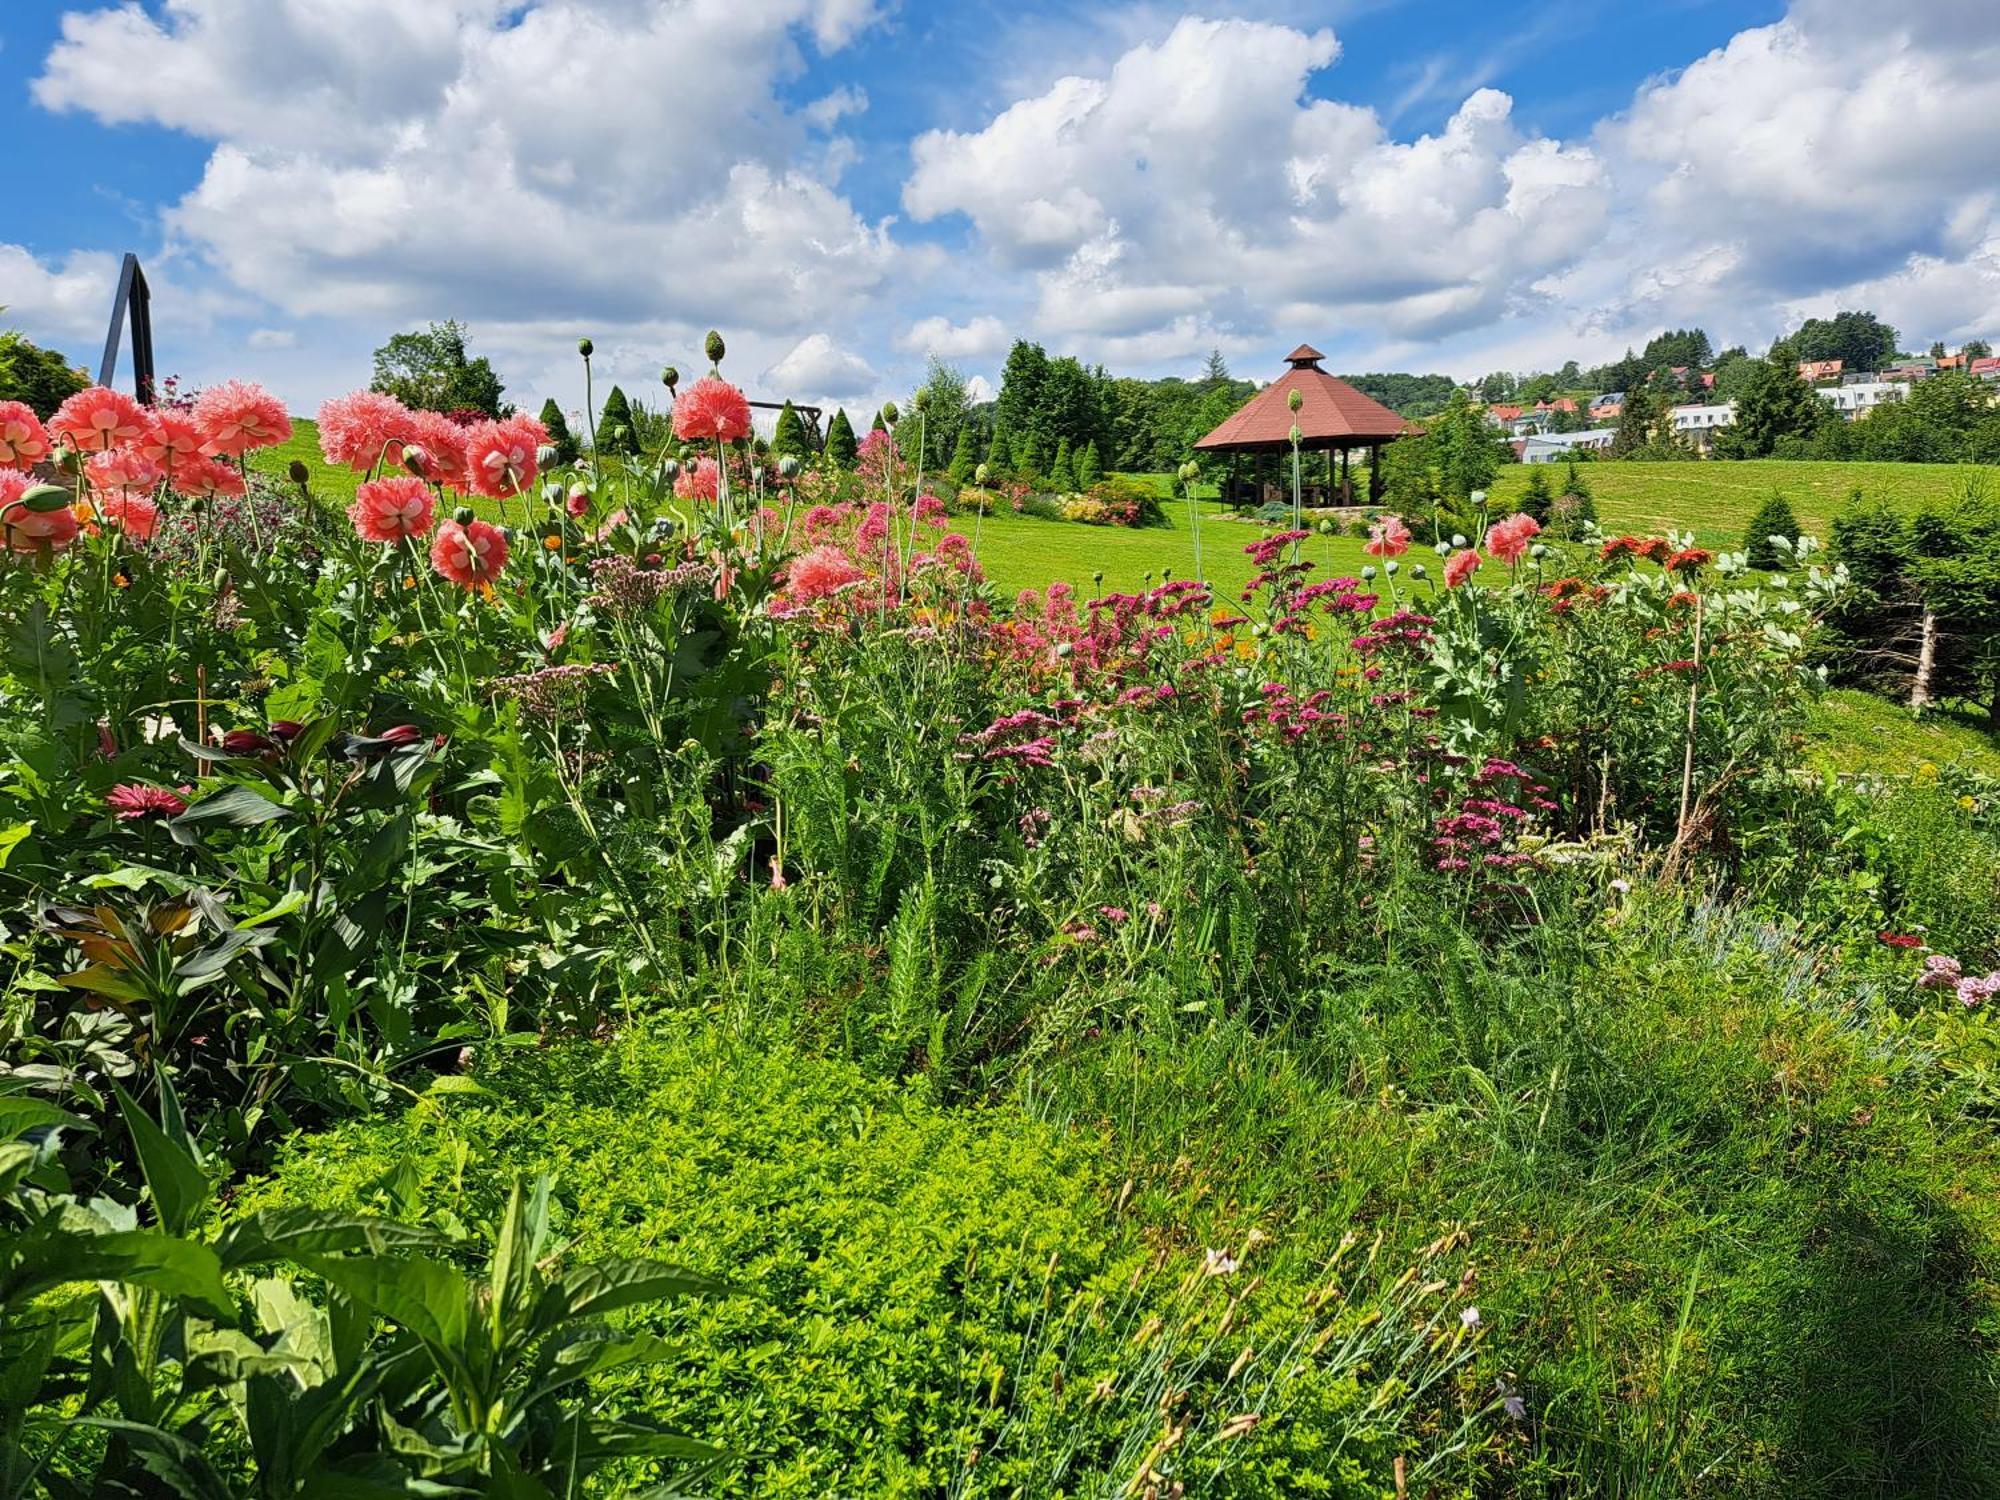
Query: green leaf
(172,1171)
(432,1301)
(238,805)
(290,1233)
(593,1290)
(290,902)
(159,1262)
(19,1114)
(12,836)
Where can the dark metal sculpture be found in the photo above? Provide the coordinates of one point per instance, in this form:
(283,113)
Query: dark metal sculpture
(135,302)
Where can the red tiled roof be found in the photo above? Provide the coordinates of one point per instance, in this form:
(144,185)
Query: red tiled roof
(1981,366)
(1501,413)
(1331,412)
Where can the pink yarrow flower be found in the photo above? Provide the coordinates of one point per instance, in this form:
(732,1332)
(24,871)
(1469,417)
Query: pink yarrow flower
(94,420)
(500,456)
(1459,567)
(1388,537)
(470,555)
(31,530)
(711,410)
(239,415)
(390,510)
(24,442)
(1508,539)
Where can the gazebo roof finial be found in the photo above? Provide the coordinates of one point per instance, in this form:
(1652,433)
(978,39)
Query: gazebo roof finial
(1305,357)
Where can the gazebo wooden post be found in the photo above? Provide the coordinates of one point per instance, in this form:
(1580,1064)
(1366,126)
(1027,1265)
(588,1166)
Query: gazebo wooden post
(1229,483)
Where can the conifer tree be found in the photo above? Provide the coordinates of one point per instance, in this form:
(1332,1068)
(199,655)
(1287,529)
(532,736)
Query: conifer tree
(1774,518)
(559,434)
(1574,508)
(1000,453)
(1089,468)
(1028,460)
(1537,498)
(615,430)
(1062,473)
(789,436)
(878,425)
(963,460)
(840,445)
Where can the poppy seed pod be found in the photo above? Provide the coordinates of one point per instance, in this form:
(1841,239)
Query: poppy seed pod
(1368,573)
(1392,567)
(921,400)
(979,475)
(670,377)
(713,347)
(890,415)
(584,347)
(788,466)
(298,473)
(1294,400)
(1458,539)
(1417,571)
(464,515)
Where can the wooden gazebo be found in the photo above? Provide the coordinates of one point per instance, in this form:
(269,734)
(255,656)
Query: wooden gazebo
(1333,418)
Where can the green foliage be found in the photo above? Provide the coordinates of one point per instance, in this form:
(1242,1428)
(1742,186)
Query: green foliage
(841,447)
(1538,497)
(428,370)
(963,459)
(1774,518)
(617,430)
(1062,472)
(947,407)
(1774,405)
(560,437)
(1087,467)
(1940,870)
(40,378)
(1407,395)
(1000,455)
(1467,449)
(789,436)
(1860,340)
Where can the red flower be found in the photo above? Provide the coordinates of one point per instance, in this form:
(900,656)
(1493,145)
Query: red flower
(1507,540)
(1688,560)
(24,442)
(1899,939)
(94,420)
(471,554)
(133,800)
(388,510)
(26,530)
(237,416)
(1461,566)
(711,409)
(500,456)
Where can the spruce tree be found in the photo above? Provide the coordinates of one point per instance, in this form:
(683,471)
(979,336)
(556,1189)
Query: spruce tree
(789,436)
(1000,453)
(1089,469)
(963,460)
(1574,508)
(1774,518)
(841,447)
(1635,424)
(559,433)
(1537,498)
(1028,460)
(1062,473)
(615,430)
(878,425)
(1774,404)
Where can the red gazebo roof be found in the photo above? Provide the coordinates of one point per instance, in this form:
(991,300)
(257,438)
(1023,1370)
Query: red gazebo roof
(1331,414)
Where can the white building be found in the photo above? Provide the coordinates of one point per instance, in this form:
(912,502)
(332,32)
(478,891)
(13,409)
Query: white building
(1852,401)
(1698,424)
(1554,447)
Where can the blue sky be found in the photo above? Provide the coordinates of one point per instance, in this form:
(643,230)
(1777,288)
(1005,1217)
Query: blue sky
(848,187)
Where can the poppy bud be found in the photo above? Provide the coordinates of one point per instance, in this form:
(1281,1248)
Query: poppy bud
(584,347)
(1294,401)
(890,415)
(713,347)
(546,456)
(1458,539)
(1392,567)
(1417,571)
(670,469)
(920,402)
(788,466)
(401,734)
(670,377)
(464,515)
(979,475)
(1368,573)
(299,474)
(415,459)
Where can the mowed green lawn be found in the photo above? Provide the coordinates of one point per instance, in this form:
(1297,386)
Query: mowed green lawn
(1713,500)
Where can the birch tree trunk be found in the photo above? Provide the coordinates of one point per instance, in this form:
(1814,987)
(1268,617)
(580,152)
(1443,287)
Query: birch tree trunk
(1920,685)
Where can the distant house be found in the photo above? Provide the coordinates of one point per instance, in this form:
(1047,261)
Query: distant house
(1920,368)
(1952,362)
(1698,423)
(1554,447)
(1813,371)
(1853,401)
(1986,369)
(1607,406)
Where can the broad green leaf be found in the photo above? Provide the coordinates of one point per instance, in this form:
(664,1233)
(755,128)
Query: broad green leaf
(607,1285)
(173,1176)
(432,1301)
(290,902)
(12,836)
(238,805)
(285,1233)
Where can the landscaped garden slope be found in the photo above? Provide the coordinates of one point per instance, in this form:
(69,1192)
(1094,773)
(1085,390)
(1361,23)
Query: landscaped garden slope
(698,987)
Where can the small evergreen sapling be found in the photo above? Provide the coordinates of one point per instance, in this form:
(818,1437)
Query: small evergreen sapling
(616,432)
(1774,518)
(560,436)
(841,447)
(1538,497)
(963,460)
(1089,468)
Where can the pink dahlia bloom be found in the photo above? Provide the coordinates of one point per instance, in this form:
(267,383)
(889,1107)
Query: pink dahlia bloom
(441,443)
(1388,537)
(121,471)
(711,409)
(138,516)
(1507,540)
(172,440)
(821,573)
(209,479)
(365,428)
(31,530)
(698,481)
(389,510)
(500,456)
(134,800)
(237,416)
(24,442)
(469,555)
(1461,566)
(94,420)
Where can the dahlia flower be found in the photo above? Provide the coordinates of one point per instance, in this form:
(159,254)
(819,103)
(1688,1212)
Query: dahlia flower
(99,418)
(821,573)
(172,440)
(134,800)
(121,471)
(1388,537)
(1461,567)
(237,416)
(1507,540)
(698,481)
(711,408)
(363,429)
(389,510)
(469,555)
(24,442)
(138,516)
(500,456)
(30,530)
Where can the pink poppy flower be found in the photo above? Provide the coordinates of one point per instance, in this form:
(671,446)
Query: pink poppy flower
(1461,566)
(24,442)
(31,530)
(134,800)
(121,471)
(94,420)
(237,416)
(1507,540)
(469,555)
(365,428)
(171,441)
(209,479)
(1388,537)
(138,516)
(578,504)
(500,456)
(440,443)
(388,510)
(821,573)
(698,481)
(711,409)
